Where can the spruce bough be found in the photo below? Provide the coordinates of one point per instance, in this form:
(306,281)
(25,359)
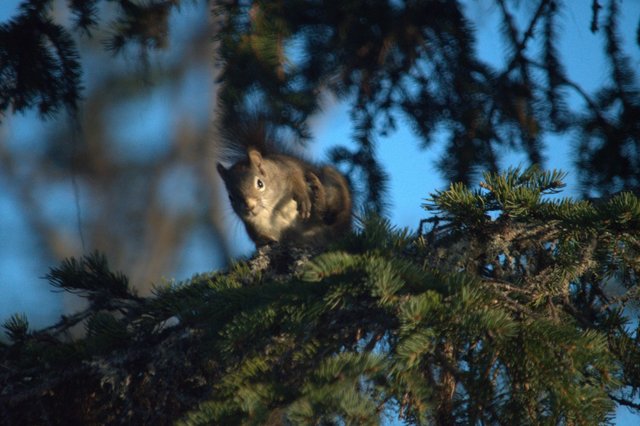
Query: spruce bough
(506,307)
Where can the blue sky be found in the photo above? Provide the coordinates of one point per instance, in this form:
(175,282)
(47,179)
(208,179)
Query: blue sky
(412,171)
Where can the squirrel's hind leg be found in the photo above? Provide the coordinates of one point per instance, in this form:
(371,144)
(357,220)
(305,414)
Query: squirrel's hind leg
(318,194)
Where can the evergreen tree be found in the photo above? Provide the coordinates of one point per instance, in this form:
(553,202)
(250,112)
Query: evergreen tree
(508,308)
(505,307)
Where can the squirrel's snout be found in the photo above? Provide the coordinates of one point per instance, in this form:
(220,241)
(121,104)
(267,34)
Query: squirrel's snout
(250,206)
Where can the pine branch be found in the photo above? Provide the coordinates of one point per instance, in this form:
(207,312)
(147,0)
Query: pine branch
(588,99)
(520,44)
(484,323)
(595,12)
(625,402)
(39,60)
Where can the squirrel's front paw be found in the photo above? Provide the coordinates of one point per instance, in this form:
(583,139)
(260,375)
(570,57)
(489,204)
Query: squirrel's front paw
(304,207)
(316,187)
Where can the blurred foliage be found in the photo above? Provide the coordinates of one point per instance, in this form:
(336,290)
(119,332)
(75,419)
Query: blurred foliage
(96,180)
(408,60)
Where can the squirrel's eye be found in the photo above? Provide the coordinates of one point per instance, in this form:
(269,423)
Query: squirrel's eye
(259,184)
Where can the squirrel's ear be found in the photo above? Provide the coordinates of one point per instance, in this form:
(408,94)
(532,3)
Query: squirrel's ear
(255,157)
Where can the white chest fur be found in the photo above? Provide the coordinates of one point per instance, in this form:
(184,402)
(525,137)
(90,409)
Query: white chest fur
(274,222)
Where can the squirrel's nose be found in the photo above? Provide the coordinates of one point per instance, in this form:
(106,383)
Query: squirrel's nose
(251,204)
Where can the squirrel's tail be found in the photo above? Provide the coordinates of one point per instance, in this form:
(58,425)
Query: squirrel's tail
(254,131)
(239,135)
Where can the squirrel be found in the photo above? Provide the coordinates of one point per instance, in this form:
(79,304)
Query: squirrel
(284,199)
